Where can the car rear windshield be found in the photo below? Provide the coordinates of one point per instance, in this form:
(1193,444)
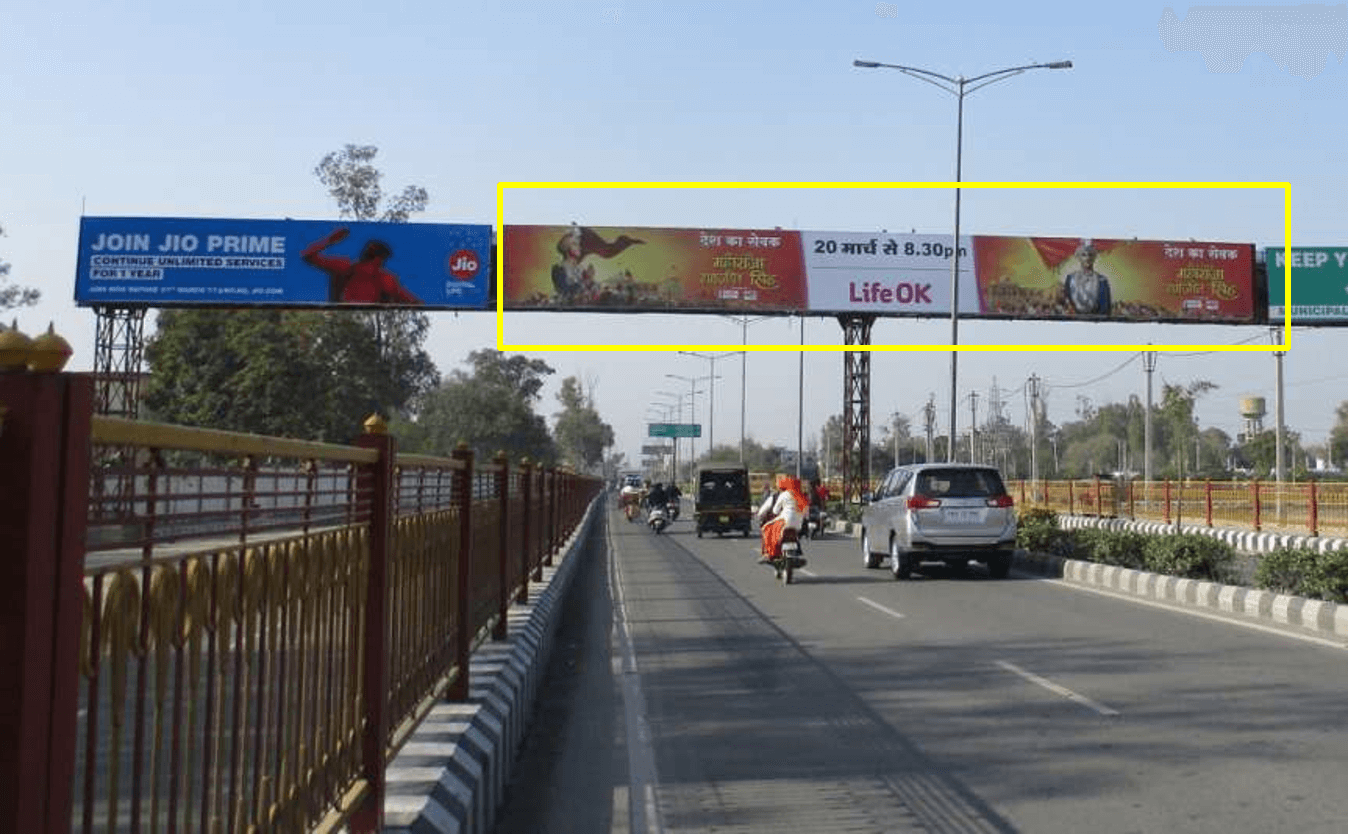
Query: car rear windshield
(959,483)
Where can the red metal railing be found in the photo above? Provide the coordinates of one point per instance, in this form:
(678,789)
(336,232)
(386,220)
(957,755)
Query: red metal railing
(1310,507)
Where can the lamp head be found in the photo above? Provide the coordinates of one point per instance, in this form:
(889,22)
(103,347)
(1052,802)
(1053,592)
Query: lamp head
(865,64)
(1059,65)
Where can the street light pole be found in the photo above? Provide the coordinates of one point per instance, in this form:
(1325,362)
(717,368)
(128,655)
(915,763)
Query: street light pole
(711,417)
(959,87)
(692,406)
(744,322)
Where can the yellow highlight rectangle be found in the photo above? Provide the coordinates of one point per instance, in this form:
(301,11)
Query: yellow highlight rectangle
(1286,188)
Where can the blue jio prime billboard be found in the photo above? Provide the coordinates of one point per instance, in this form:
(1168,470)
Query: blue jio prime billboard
(174,262)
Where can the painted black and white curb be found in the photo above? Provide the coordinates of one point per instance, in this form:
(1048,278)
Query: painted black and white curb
(1246,541)
(449,778)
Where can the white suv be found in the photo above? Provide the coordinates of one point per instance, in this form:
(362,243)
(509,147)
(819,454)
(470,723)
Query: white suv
(947,512)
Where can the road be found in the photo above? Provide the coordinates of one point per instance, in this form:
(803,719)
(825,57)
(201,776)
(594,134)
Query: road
(713,699)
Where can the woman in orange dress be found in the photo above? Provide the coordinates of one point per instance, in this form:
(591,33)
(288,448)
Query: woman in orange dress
(785,509)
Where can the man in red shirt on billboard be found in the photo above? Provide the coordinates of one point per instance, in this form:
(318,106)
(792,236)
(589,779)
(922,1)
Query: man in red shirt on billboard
(363,281)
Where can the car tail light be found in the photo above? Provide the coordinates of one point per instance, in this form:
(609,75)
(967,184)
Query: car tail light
(922,502)
(1001,501)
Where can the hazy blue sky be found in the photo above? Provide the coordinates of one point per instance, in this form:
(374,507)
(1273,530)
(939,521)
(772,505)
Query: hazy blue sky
(181,109)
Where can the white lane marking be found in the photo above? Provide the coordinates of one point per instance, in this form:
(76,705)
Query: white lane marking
(1055,688)
(806,572)
(644,818)
(878,607)
(1309,638)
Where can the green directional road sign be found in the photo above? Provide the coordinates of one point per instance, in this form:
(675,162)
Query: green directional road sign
(1319,284)
(674,429)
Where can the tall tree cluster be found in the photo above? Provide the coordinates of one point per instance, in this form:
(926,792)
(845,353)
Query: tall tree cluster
(582,436)
(489,406)
(303,374)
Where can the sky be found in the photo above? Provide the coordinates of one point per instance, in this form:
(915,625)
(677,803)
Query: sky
(170,109)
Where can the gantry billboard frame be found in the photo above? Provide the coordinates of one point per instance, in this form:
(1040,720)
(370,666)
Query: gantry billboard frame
(503,186)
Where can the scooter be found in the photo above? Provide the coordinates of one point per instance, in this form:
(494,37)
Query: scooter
(630,509)
(672,510)
(657,520)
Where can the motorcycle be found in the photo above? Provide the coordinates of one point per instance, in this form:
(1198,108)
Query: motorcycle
(812,526)
(672,510)
(657,520)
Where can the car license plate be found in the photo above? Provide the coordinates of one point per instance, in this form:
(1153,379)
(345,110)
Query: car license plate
(953,516)
(725,519)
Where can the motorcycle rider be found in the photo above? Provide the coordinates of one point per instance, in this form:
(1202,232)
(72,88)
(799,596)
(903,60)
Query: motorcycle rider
(785,509)
(630,497)
(657,497)
(673,495)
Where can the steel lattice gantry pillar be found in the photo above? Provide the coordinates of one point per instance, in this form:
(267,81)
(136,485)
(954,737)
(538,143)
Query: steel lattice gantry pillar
(119,347)
(856,444)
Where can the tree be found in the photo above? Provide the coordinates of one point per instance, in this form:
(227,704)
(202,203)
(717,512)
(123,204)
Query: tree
(1338,436)
(15,295)
(490,407)
(582,437)
(303,374)
(354,184)
(255,373)
(1178,426)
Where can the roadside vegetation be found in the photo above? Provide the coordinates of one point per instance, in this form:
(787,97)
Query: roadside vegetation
(1302,572)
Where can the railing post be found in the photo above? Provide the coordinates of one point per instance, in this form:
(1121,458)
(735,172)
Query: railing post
(44,507)
(502,563)
(1022,492)
(1257,509)
(1315,509)
(463,497)
(375,481)
(552,516)
(1071,500)
(527,551)
(1099,498)
(1207,493)
(1166,496)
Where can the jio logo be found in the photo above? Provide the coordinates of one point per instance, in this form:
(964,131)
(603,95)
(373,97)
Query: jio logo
(463,264)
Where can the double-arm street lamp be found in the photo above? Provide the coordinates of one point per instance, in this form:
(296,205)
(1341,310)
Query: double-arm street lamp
(679,398)
(692,384)
(959,87)
(711,417)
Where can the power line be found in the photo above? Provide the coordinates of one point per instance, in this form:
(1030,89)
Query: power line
(1253,338)
(1105,376)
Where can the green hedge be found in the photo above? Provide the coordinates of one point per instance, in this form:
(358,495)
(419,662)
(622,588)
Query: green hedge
(1037,531)
(1123,548)
(1187,555)
(1191,555)
(1305,573)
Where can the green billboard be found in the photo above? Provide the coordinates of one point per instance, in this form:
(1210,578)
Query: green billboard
(1319,284)
(674,429)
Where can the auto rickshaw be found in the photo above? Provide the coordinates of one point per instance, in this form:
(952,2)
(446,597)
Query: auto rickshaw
(722,502)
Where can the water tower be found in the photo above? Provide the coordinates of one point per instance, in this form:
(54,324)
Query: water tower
(1252,411)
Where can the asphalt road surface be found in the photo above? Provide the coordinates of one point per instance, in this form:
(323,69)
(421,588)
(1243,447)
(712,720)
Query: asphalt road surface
(692,692)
